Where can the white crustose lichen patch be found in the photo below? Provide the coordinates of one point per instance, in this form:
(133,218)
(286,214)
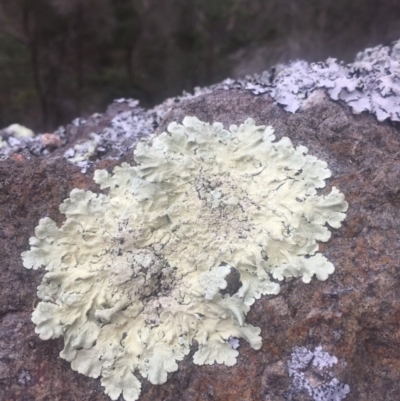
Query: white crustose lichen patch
(136,275)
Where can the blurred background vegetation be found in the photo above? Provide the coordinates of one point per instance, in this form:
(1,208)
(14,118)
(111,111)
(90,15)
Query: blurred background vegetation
(60,59)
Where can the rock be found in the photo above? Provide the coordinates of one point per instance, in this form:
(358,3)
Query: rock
(331,340)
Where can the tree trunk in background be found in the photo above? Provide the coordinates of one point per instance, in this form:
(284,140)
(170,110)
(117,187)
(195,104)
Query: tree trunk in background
(30,34)
(79,45)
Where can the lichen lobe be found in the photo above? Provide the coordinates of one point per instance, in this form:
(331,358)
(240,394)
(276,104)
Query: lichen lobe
(135,276)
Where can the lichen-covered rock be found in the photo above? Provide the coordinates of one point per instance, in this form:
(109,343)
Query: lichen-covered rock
(352,316)
(134,277)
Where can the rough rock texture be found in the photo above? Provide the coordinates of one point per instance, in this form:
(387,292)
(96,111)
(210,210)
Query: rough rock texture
(354,315)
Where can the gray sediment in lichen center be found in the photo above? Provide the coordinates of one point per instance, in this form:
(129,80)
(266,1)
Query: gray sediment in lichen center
(145,279)
(223,208)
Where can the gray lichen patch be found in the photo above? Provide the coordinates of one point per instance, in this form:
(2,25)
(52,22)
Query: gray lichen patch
(120,134)
(310,371)
(371,83)
(135,276)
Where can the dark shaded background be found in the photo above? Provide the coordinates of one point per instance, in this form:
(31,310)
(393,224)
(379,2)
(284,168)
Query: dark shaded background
(60,59)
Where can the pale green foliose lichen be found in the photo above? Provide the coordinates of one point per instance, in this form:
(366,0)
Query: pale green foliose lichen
(134,276)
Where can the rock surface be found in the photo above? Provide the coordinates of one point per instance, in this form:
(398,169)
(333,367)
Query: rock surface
(354,316)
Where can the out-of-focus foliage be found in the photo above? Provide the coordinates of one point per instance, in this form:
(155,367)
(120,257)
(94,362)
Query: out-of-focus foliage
(64,58)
